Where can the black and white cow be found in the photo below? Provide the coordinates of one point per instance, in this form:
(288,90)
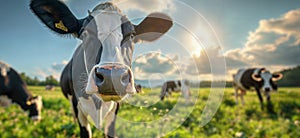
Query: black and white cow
(259,79)
(138,88)
(175,86)
(99,74)
(14,90)
(49,87)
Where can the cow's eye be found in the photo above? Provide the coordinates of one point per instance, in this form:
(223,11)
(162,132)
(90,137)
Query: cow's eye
(128,36)
(132,36)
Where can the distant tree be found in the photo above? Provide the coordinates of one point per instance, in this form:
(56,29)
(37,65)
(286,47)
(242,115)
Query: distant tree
(50,80)
(28,80)
(23,76)
(291,77)
(35,81)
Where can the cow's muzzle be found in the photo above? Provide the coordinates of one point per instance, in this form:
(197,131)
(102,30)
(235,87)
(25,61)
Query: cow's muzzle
(114,81)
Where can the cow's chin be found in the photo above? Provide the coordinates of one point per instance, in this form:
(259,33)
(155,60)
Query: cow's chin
(107,98)
(115,98)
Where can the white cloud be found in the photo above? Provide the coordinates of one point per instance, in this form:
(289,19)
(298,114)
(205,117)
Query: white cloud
(59,66)
(55,70)
(153,64)
(146,6)
(276,42)
(43,73)
(210,61)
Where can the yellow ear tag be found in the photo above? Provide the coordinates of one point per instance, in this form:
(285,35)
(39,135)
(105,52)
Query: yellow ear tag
(60,25)
(28,102)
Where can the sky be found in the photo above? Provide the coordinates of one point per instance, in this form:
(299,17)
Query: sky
(210,38)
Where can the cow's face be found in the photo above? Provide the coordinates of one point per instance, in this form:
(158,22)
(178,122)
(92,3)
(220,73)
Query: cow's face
(35,107)
(268,80)
(107,36)
(111,76)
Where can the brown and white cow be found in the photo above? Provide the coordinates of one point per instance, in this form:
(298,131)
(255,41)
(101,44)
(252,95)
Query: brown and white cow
(259,79)
(99,74)
(14,90)
(175,86)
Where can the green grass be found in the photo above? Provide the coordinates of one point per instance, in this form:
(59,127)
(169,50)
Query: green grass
(146,115)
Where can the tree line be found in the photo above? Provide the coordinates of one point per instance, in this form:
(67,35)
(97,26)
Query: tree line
(291,79)
(50,80)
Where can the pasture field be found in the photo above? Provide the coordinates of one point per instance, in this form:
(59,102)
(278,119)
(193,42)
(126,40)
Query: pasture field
(230,120)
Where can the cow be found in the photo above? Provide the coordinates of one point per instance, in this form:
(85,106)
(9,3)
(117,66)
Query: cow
(259,79)
(14,90)
(175,86)
(99,76)
(138,88)
(49,87)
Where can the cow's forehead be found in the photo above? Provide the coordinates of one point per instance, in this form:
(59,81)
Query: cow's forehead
(107,6)
(266,75)
(107,23)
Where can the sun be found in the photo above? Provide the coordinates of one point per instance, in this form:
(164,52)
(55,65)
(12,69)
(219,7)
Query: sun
(197,52)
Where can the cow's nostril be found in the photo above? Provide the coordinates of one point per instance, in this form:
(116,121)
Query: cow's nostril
(267,89)
(99,75)
(125,78)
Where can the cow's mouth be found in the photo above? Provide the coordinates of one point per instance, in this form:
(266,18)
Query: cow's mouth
(114,97)
(107,98)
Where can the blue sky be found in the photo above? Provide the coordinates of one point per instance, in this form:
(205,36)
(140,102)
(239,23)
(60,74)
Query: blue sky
(30,47)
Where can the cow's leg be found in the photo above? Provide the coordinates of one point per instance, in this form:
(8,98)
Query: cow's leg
(110,130)
(260,98)
(85,129)
(243,92)
(236,92)
(270,104)
(163,92)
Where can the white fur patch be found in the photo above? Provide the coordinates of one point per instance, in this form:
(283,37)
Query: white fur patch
(110,36)
(36,118)
(91,87)
(185,90)
(82,117)
(237,79)
(4,68)
(39,105)
(88,108)
(266,77)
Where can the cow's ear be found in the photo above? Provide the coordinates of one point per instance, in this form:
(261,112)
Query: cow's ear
(153,27)
(276,76)
(56,15)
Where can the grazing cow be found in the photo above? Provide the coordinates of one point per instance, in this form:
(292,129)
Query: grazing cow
(50,87)
(258,78)
(99,74)
(14,90)
(175,86)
